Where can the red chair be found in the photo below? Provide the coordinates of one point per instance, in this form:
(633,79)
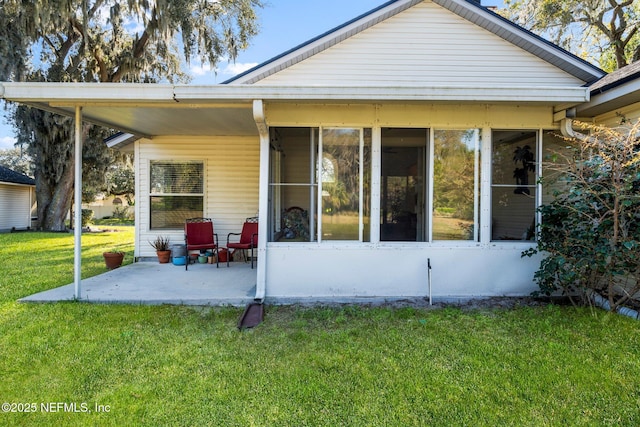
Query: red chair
(199,235)
(248,239)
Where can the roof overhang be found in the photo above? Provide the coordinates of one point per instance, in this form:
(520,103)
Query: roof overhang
(148,110)
(609,99)
(17,184)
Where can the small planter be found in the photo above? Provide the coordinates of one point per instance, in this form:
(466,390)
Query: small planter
(161,245)
(163,256)
(179,260)
(202,259)
(113,259)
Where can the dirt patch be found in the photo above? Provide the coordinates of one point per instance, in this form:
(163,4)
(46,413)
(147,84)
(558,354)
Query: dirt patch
(463,304)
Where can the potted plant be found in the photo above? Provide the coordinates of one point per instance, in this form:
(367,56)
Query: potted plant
(113,259)
(161,245)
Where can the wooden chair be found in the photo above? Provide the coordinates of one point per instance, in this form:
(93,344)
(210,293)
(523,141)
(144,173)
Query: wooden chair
(248,238)
(199,235)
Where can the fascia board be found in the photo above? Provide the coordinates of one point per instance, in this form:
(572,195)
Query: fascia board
(17,184)
(125,94)
(600,99)
(82,92)
(548,94)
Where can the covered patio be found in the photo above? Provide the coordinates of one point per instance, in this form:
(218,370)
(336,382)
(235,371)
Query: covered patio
(154,283)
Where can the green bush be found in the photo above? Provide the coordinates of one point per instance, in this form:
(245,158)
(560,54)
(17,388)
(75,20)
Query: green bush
(590,233)
(87,217)
(122,212)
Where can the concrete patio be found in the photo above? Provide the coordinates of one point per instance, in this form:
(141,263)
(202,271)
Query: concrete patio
(154,283)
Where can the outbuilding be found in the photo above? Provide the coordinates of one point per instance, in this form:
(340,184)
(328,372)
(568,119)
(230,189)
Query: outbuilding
(17,198)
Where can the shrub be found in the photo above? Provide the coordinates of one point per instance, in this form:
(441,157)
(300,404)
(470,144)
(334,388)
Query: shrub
(122,212)
(87,217)
(590,233)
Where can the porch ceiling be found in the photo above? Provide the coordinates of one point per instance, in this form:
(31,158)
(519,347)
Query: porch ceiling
(148,110)
(190,120)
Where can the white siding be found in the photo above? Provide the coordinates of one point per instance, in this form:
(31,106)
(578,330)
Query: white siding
(231,182)
(15,206)
(426,45)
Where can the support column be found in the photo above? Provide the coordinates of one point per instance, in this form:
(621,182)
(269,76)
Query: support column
(485,185)
(263,199)
(77,254)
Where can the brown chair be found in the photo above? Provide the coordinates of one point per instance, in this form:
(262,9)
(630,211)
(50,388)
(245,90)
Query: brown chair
(199,235)
(248,239)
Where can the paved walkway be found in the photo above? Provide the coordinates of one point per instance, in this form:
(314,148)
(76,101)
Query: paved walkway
(154,283)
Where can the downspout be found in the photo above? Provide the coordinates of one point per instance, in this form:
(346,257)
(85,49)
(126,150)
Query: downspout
(77,254)
(263,199)
(566,126)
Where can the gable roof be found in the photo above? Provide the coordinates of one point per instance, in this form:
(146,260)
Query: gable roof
(467,9)
(13,177)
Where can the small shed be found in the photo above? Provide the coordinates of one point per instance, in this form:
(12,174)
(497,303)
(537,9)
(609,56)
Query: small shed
(17,197)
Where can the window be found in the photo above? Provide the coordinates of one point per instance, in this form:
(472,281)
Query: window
(514,185)
(336,162)
(177,193)
(403,193)
(345,164)
(292,184)
(555,151)
(456,186)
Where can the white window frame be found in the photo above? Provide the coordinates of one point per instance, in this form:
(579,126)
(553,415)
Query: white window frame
(159,194)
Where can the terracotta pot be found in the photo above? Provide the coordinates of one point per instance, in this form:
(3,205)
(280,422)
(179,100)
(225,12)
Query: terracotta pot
(113,259)
(163,256)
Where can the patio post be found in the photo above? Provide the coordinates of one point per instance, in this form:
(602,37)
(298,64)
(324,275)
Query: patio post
(77,231)
(263,198)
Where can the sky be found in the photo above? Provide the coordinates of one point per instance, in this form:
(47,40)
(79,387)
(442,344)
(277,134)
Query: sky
(284,24)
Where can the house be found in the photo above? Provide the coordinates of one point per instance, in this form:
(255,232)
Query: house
(408,137)
(17,199)
(106,206)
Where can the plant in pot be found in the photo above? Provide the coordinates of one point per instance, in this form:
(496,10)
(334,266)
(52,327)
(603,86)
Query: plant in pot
(113,259)
(161,245)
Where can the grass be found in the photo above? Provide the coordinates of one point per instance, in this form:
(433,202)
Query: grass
(329,366)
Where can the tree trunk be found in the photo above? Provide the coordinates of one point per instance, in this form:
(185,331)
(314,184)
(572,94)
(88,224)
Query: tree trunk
(54,202)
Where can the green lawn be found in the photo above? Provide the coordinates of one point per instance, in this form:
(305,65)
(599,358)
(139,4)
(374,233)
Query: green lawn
(352,366)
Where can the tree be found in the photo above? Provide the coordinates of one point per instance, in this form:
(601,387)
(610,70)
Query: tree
(121,181)
(17,160)
(590,233)
(601,31)
(104,41)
